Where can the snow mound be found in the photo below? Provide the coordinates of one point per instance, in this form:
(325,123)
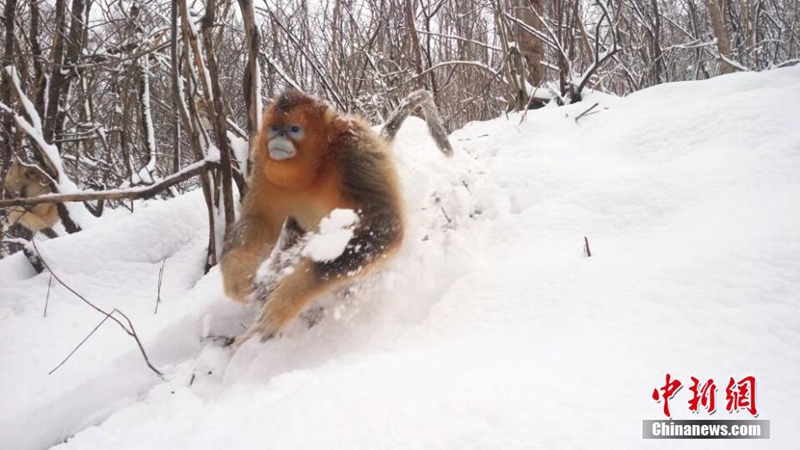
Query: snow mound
(490,329)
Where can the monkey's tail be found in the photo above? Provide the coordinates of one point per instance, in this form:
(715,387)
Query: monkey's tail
(424,99)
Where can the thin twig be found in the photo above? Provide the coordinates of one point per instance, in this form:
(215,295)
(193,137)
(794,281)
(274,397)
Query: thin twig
(444,213)
(47,299)
(160,278)
(79,345)
(129,330)
(586,247)
(586,112)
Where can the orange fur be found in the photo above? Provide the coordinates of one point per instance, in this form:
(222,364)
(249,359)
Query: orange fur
(23,182)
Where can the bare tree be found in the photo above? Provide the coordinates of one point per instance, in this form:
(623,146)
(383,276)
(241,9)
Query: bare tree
(117,101)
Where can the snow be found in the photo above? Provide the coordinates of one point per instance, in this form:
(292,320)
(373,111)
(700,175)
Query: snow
(240,149)
(490,329)
(335,231)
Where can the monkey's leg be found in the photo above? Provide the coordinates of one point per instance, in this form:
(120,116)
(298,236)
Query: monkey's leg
(27,219)
(247,244)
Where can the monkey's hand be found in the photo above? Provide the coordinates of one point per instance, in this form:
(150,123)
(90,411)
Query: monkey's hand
(281,261)
(246,243)
(271,271)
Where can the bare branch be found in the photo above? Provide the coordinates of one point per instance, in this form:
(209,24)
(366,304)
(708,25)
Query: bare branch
(129,330)
(116,194)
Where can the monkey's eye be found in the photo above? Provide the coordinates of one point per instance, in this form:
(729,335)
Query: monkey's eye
(274,129)
(295,132)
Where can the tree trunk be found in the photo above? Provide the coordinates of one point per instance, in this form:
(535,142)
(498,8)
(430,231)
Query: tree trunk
(715,12)
(188,114)
(252,77)
(218,114)
(414,40)
(748,27)
(529,11)
(146,119)
(5,89)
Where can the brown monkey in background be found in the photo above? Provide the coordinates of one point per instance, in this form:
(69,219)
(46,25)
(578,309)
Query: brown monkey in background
(308,161)
(24,182)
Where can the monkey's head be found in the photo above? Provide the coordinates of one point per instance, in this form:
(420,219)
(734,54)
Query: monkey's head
(24,181)
(294,139)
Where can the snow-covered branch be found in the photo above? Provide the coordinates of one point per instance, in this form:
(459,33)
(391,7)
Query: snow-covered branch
(139,192)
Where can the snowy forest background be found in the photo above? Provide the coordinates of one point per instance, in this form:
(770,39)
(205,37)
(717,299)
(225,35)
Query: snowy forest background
(118,100)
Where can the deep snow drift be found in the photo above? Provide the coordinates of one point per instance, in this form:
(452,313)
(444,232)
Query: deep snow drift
(491,329)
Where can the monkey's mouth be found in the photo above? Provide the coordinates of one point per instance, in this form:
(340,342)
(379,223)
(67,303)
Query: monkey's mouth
(280,149)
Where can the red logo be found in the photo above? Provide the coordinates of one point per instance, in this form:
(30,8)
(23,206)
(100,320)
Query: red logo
(704,396)
(739,395)
(668,391)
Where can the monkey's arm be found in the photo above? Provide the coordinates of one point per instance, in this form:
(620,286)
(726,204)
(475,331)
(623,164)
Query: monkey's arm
(284,256)
(246,245)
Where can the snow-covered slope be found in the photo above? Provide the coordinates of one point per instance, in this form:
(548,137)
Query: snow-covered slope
(491,329)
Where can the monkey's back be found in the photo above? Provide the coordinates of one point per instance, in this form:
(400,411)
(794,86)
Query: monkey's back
(369,182)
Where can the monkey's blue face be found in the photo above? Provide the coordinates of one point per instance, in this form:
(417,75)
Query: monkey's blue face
(282,140)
